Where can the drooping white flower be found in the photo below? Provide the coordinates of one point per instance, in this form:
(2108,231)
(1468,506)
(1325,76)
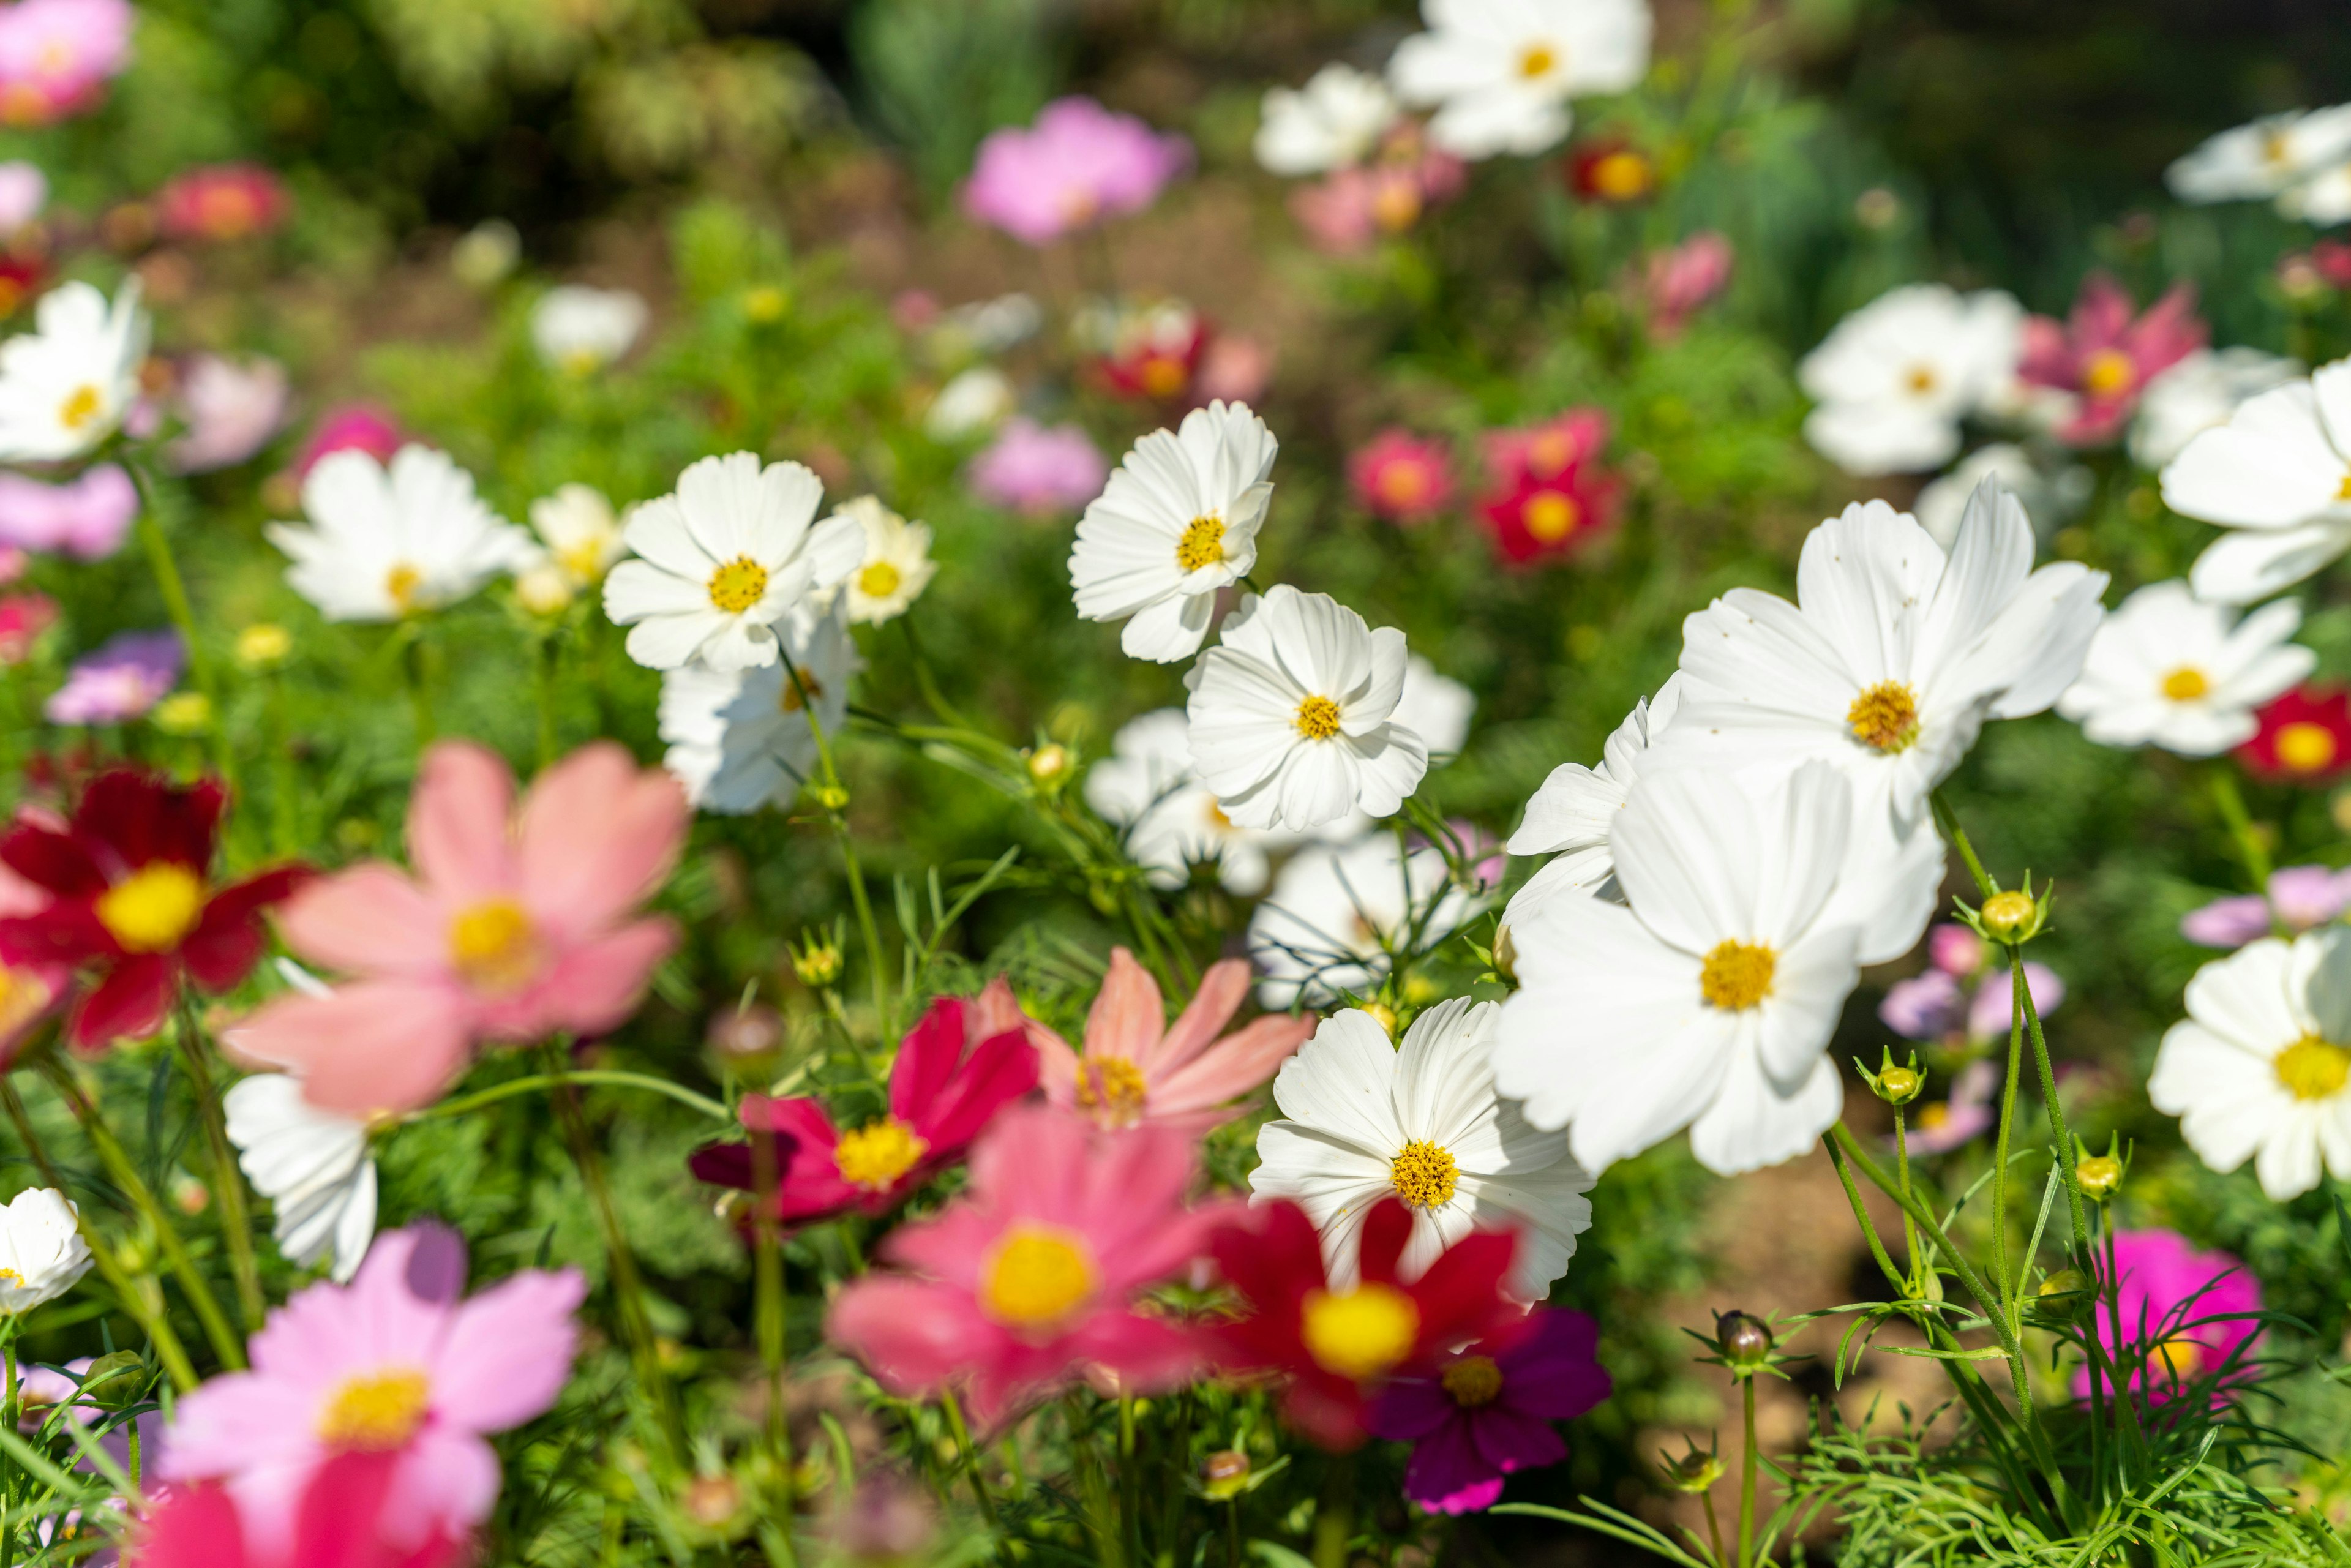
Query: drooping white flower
(1570,815)
(311,1164)
(2047,497)
(735,549)
(1177,521)
(1332,123)
(1172,822)
(1438,708)
(1894,380)
(66,385)
(582,536)
(740,739)
(976,399)
(1362,1118)
(42,1254)
(2169,670)
(2278,473)
(386,541)
(1293,715)
(2261,1069)
(1501,71)
(1338,911)
(2198,393)
(580,329)
(2266,158)
(897,565)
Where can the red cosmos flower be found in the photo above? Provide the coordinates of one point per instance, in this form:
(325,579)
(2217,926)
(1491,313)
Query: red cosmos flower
(1611,170)
(2305,738)
(958,1067)
(1337,1346)
(1548,495)
(23,618)
(223,202)
(1401,477)
(1153,354)
(2331,260)
(2105,357)
(129,900)
(20,279)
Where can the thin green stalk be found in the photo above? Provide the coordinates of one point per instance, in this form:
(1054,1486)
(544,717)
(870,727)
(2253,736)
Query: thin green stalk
(1747,1461)
(1335,1521)
(284,791)
(1946,819)
(2076,1208)
(970,1452)
(1869,1226)
(1999,1275)
(1713,1525)
(1902,1171)
(174,591)
(2249,845)
(835,804)
(415,669)
(609,1077)
(1130,1488)
(228,1182)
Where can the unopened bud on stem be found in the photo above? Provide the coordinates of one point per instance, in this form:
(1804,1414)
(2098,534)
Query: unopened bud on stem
(1745,1342)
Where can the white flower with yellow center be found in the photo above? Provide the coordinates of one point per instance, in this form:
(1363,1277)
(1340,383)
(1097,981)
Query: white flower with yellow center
(2267,158)
(1172,821)
(311,1164)
(1571,815)
(579,330)
(2168,670)
(1176,522)
(1293,715)
(582,536)
(1332,123)
(1500,72)
(387,541)
(1339,913)
(2201,392)
(2278,475)
(1895,378)
(67,385)
(740,739)
(897,565)
(42,1254)
(735,549)
(2260,1068)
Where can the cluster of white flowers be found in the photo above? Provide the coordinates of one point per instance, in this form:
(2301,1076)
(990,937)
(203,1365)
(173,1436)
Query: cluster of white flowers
(2301,161)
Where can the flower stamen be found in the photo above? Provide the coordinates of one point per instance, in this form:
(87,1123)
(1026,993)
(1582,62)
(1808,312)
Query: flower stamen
(1318,718)
(1423,1174)
(876,1154)
(1885,718)
(1737,975)
(738,584)
(2313,1069)
(1361,1333)
(1036,1276)
(1203,543)
(1472,1381)
(150,910)
(376,1412)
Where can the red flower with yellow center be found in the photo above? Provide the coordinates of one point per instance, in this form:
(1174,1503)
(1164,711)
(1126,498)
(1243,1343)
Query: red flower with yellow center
(1547,493)
(2305,738)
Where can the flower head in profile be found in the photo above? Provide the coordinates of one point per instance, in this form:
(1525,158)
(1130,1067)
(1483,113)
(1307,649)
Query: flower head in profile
(42,1253)
(1547,493)
(2304,737)
(739,741)
(897,565)
(231,409)
(1500,72)
(69,383)
(1338,911)
(1485,1412)
(1571,815)
(56,56)
(2201,391)
(311,1164)
(2169,670)
(579,330)
(1032,1280)
(345,1515)
(125,678)
(2188,1317)
(517,923)
(2268,157)
(2298,897)
(2278,477)
(86,517)
(2103,357)
(583,539)
(1894,380)
(1077,166)
(1148,787)
(1401,477)
(352,427)
(222,202)
(1038,470)
(1139,1070)
(1334,121)
(388,541)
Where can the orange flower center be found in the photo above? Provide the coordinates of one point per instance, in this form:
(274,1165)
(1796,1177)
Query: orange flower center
(1921,380)
(1549,454)
(1423,1174)
(1537,61)
(376,1411)
(1885,718)
(1737,975)
(1114,1089)
(2109,372)
(1622,176)
(2304,747)
(150,910)
(1551,516)
(789,699)
(1163,375)
(1358,1333)
(495,947)
(1403,484)
(1036,1276)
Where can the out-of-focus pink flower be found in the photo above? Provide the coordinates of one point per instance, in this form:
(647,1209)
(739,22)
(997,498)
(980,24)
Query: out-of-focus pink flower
(1939,1126)
(1954,949)
(86,517)
(1674,283)
(13,564)
(1036,470)
(2103,355)
(357,426)
(1924,1007)
(127,675)
(23,618)
(1032,1279)
(2179,1317)
(1994,1003)
(231,411)
(1138,1068)
(2331,260)
(1348,208)
(345,1517)
(2300,897)
(1079,165)
(393,1364)
(56,56)
(1547,493)
(24,191)
(1936,1007)
(915,310)
(1402,477)
(1233,369)
(518,924)
(221,203)
(1152,352)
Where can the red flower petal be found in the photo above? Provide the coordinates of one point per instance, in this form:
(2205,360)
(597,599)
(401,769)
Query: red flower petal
(130,1003)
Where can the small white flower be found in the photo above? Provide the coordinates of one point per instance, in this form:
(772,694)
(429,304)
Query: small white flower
(580,329)
(1332,123)
(2047,498)
(978,400)
(1172,822)
(67,385)
(384,542)
(1339,910)
(42,1254)
(2259,1068)
(740,739)
(1434,707)
(2198,394)
(1364,1119)
(897,565)
(1573,812)
(2168,670)
(724,559)
(1503,70)
(1896,378)
(2323,201)
(2278,473)
(2263,159)
(311,1164)
(1177,522)
(581,535)
(992,326)
(1293,715)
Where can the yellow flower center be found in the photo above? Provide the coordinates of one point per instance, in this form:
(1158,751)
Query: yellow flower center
(2109,372)
(879,580)
(1395,204)
(738,585)
(13,1280)
(2343,491)
(2185,683)
(1537,60)
(154,907)
(2178,1357)
(1737,975)
(584,560)
(1114,1089)
(1361,1333)
(494,946)
(1401,485)
(376,1411)
(1921,380)
(2304,747)
(80,408)
(789,699)
(1885,718)
(1036,1276)
(1474,1380)
(1203,544)
(2275,147)
(1423,1174)
(1318,718)
(260,645)
(1217,819)
(1934,1114)
(1622,176)
(1163,375)
(2314,1069)
(877,1154)
(400,586)
(1551,516)
(581,361)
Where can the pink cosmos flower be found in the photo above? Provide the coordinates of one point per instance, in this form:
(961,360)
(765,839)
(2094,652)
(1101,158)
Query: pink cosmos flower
(24,191)
(1674,283)
(1038,471)
(1077,166)
(1138,1068)
(86,517)
(56,56)
(517,926)
(1483,1412)
(353,427)
(2103,357)
(1402,477)
(392,1363)
(1233,369)
(23,618)
(221,203)
(127,675)
(2300,897)
(1349,209)
(231,411)
(1954,949)
(341,1522)
(1032,1280)
(2180,1316)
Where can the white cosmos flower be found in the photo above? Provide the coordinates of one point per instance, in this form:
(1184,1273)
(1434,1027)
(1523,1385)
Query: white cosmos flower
(1363,1118)
(42,1254)
(387,541)
(66,385)
(1570,815)
(2279,473)
(1502,71)
(311,1164)
(2260,1066)
(2048,498)
(1338,910)
(740,739)
(582,536)
(1146,786)
(1293,715)
(2263,159)
(976,399)
(2324,200)
(2169,670)
(1177,522)
(579,329)
(1332,123)
(724,559)
(1895,378)
(2198,393)
(897,565)
(1434,707)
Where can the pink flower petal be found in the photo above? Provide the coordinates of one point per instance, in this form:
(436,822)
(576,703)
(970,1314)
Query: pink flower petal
(379,1045)
(368,920)
(1222,990)
(458,824)
(598,838)
(507,1352)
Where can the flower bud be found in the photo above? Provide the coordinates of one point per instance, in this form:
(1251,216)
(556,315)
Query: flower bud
(544,589)
(1745,1342)
(263,645)
(1224,1474)
(1899,1085)
(114,1382)
(818,964)
(765,304)
(711,1500)
(2008,917)
(2061,1299)
(1383,1015)
(1694,1471)
(2099,1176)
(1048,764)
(831,796)
(183,713)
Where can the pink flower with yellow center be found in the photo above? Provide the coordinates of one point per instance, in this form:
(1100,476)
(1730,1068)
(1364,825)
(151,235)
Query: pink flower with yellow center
(1077,166)
(1547,493)
(2103,355)
(56,56)
(1402,477)
(223,202)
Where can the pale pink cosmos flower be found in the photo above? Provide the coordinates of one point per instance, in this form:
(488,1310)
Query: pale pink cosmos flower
(392,1362)
(24,191)
(86,517)
(1037,471)
(2102,356)
(1079,165)
(1674,283)
(518,924)
(1350,208)
(129,674)
(231,411)
(2300,897)
(1138,1068)
(56,56)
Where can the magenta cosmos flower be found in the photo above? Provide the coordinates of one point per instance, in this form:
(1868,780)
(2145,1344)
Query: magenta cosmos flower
(1037,471)
(56,56)
(354,428)
(1079,165)
(2182,1316)
(127,675)
(392,1363)
(1484,1413)
(1032,1279)
(517,926)
(343,1520)
(1674,283)
(1402,477)
(86,518)
(2300,897)
(2103,357)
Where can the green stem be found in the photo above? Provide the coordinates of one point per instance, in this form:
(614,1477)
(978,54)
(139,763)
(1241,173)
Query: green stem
(1946,819)
(228,1182)
(2232,801)
(1129,1488)
(174,590)
(970,1452)
(1335,1521)
(835,805)
(415,668)
(1747,1461)
(1713,1527)
(550,653)
(1869,1226)
(1902,1171)
(1999,1274)
(608,1077)
(284,791)
(2063,1133)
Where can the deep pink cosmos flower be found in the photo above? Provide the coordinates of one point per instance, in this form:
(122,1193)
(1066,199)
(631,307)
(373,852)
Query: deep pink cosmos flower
(86,518)
(344,1519)
(2183,1317)
(1079,165)
(1402,477)
(1032,1280)
(1038,471)
(222,202)
(518,924)
(1479,1415)
(358,426)
(964,1063)
(1674,283)
(56,56)
(2304,737)
(23,618)
(393,1364)
(2103,357)
(129,674)
(1138,1068)
(2300,898)
(1547,493)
